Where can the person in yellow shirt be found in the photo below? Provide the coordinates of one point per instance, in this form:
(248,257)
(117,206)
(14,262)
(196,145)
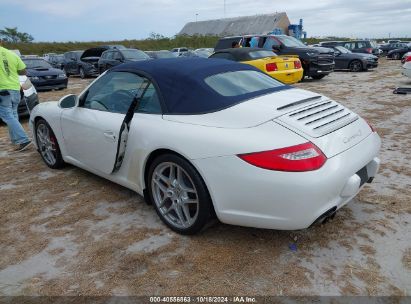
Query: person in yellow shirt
(11,66)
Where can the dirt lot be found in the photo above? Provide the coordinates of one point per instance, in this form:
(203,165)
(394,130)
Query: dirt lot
(69,232)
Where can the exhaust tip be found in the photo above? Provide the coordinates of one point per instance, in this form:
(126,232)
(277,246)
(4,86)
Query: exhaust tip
(326,216)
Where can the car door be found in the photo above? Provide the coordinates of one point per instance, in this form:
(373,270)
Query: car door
(67,62)
(361,47)
(73,63)
(94,132)
(340,60)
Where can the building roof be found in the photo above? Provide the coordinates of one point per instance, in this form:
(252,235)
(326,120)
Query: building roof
(258,24)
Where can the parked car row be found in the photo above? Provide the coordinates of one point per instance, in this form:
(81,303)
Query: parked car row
(355,46)
(317,62)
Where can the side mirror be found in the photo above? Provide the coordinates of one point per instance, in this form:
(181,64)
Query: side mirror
(68,101)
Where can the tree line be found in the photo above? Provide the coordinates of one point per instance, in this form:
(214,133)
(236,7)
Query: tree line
(24,42)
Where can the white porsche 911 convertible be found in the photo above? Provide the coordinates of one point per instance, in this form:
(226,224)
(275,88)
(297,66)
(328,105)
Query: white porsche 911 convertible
(198,137)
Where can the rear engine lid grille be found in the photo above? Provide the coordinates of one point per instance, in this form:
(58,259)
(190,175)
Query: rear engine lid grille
(319,118)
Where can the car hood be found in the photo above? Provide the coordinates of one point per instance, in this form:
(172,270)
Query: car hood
(93,52)
(43,72)
(249,113)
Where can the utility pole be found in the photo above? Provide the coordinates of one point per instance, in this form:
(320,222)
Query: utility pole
(196,17)
(224,9)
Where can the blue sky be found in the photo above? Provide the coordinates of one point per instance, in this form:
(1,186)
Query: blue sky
(90,20)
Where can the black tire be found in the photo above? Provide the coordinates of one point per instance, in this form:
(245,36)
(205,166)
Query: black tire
(396,56)
(59,162)
(355,66)
(65,71)
(82,73)
(204,206)
(318,77)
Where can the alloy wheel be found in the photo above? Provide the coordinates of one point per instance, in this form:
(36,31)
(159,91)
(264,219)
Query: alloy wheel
(47,144)
(175,195)
(355,66)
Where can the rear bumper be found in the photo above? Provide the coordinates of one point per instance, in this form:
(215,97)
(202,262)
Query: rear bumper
(245,195)
(316,69)
(287,77)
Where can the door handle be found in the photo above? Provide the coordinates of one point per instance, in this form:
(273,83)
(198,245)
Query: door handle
(110,135)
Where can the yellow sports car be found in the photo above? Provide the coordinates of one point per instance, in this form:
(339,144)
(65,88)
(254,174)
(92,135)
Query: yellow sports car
(286,69)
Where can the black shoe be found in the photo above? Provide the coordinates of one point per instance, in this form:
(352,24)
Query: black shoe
(22,147)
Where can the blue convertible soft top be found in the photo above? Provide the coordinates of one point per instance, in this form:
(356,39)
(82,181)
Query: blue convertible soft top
(182,86)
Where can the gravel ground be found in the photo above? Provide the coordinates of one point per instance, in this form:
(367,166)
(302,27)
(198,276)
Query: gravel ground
(69,232)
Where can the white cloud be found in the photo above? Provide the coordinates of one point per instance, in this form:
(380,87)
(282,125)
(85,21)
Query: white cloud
(136,18)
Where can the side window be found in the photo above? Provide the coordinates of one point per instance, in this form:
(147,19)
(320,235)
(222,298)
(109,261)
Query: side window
(150,102)
(361,45)
(115,91)
(247,42)
(270,42)
(227,56)
(349,45)
(117,56)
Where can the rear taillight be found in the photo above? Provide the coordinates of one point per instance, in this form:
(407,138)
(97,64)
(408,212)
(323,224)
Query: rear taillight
(407,59)
(299,158)
(271,67)
(297,64)
(369,50)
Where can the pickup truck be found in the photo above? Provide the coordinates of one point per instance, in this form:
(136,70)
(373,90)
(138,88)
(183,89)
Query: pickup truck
(317,62)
